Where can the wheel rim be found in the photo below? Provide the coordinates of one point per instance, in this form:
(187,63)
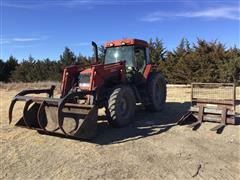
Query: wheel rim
(123,107)
(159,93)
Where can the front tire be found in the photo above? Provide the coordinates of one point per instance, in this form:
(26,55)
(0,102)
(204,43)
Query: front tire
(121,106)
(157,92)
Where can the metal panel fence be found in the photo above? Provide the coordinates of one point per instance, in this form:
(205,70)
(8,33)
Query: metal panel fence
(213,91)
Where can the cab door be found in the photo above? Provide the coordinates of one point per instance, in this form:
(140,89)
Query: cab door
(140,58)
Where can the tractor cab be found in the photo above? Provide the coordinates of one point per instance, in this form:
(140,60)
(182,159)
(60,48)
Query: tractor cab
(134,52)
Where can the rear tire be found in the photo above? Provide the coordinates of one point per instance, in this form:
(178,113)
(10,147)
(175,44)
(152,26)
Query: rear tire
(156,91)
(121,106)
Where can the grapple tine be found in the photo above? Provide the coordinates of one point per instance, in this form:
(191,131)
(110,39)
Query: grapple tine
(85,121)
(10,111)
(25,111)
(60,117)
(85,117)
(47,116)
(61,106)
(40,114)
(60,121)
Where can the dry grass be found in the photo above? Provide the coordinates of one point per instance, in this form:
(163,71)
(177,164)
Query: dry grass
(35,85)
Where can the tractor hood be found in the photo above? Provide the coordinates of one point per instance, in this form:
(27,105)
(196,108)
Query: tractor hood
(86,71)
(85,79)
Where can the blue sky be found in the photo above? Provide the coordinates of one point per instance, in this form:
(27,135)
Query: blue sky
(43,28)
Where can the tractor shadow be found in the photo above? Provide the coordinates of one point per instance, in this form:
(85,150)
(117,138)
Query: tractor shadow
(145,124)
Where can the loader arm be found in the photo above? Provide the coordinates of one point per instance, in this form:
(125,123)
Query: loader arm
(70,79)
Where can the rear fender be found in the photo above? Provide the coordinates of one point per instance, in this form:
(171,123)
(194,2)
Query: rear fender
(147,71)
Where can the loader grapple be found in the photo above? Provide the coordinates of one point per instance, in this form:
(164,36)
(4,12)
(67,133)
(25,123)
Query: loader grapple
(59,116)
(212,102)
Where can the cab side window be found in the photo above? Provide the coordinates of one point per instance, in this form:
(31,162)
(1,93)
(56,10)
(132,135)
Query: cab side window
(139,58)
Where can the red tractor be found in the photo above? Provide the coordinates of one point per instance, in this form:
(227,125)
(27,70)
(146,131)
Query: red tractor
(124,77)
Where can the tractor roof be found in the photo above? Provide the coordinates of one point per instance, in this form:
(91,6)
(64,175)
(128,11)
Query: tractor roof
(123,42)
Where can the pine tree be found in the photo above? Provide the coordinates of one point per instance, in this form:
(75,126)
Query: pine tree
(182,49)
(11,65)
(178,63)
(2,65)
(101,54)
(67,58)
(157,50)
(82,60)
(6,68)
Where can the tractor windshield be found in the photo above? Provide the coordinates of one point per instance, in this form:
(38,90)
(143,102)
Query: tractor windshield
(122,53)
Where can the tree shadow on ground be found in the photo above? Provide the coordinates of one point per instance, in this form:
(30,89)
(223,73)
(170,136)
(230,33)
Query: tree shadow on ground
(145,124)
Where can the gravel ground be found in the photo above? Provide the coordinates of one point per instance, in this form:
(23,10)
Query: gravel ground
(152,147)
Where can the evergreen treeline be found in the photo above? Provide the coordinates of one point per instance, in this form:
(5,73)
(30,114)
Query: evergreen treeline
(32,70)
(200,62)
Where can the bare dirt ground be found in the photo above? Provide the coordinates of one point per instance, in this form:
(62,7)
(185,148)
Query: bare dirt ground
(152,147)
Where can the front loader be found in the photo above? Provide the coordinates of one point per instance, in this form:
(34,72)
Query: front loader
(123,78)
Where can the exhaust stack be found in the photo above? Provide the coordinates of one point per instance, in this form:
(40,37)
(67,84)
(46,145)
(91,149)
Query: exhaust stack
(95,50)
